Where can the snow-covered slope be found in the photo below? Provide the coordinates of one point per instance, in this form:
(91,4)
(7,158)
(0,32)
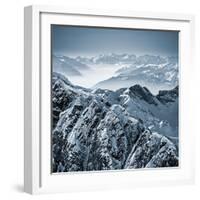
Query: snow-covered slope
(68,66)
(63,93)
(154,72)
(99,129)
(114,71)
(159,113)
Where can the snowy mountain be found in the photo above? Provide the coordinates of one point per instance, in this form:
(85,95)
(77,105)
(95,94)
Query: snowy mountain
(68,66)
(102,129)
(111,58)
(154,72)
(114,71)
(158,112)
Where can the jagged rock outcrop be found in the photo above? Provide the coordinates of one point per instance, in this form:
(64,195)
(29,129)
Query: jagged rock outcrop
(166,96)
(152,150)
(99,130)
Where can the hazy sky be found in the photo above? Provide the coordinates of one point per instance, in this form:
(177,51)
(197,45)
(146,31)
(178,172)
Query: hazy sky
(87,41)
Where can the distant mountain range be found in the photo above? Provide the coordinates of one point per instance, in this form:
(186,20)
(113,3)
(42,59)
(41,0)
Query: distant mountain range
(108,59)
(68,66)
(100,129)
(154,72)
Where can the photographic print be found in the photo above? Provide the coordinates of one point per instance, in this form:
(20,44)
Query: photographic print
(114,98)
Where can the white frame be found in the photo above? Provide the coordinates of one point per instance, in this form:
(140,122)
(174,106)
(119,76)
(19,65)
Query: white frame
(37,174)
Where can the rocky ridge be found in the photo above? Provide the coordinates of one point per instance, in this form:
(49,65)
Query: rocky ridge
(100,130)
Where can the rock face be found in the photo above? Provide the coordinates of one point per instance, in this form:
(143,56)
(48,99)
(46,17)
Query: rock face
(152,150)
(99,129)
(166,96)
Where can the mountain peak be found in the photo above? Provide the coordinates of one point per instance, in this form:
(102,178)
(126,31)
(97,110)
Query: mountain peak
(143,93)
(58,76)
(166,96)
(102,129)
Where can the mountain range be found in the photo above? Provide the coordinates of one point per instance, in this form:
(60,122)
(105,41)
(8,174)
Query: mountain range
(68,66)
(155,72)
(101,129)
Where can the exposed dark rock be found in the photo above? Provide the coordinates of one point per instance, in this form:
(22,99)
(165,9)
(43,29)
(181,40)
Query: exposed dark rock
(166,96)
(96,130)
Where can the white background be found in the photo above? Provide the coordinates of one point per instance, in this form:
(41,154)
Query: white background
(11,99)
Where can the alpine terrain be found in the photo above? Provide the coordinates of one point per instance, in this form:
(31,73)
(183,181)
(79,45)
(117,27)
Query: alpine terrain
(102,129)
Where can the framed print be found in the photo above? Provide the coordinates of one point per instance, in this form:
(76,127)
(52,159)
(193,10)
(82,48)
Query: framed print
(107,99)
